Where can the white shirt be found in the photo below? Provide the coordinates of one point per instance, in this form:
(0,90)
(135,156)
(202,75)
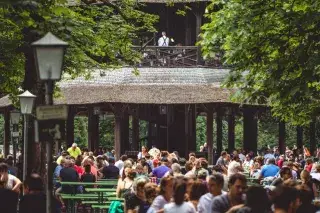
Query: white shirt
(242,157)
(315,176)
(159,202)
(205,202)
(119,164)
(185,207)
(163,41)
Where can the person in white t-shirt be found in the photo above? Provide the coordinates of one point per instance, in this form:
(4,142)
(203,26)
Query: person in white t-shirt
(163,41)
(235,166)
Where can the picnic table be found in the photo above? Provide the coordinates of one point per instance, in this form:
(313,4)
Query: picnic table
(100,192)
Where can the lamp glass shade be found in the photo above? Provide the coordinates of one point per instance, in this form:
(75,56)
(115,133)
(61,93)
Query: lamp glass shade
(49,54)
(15,117)
(26,102)
(49,62)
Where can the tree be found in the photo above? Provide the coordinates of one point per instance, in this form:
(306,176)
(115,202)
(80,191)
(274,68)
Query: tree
(100,36)
(272,47)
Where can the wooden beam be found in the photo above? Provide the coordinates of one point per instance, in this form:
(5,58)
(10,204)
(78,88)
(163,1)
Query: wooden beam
(6,141)
(282,137)
(124,133)
(231,132)
(117,136)
(210,137)
(250,130)
(93,130)
(219,130)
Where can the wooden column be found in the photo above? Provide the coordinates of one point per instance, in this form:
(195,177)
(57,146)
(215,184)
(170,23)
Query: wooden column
(198,15)
(282,137)
(190,127)
(299,138)
(70,126)
(135,133)
(93,130)
(124,133)
(231,131)
(6,140)
(219,130)
(210,136)
(313,136)
(250,130)
(117,135)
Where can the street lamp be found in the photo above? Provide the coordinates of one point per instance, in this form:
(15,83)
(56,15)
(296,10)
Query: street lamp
(49,54)
(15,118)
(26,106)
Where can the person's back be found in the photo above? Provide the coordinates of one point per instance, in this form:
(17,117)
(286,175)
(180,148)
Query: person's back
(111,171)
(34,199)
(68,174)
(8,201)
(88,177)
(269,170)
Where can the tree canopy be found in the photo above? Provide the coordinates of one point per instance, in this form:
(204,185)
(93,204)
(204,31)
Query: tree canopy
(272,47)
(99,35)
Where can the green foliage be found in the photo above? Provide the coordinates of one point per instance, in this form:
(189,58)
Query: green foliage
(81,131)
(99,36)
(273,49)
(106,132)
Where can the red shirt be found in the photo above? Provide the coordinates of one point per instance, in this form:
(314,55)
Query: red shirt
(280,163)
(309,167)
(78,169)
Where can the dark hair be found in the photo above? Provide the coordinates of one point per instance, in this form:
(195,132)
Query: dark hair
(283,196)
(204,164)
(198,189)
(34,182)
(271,160)
(174,160)
(223,153)
(3,167)
(111,160)
(124,157)
(150,190)
(257,199)
(163,184)
(218,178)
(189,165)
(132,174)
(180,188)
(192,154)
(182,161)
(233,178)
(87,168)
(285,170)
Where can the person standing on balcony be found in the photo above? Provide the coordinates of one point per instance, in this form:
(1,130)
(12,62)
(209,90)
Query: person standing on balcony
(163,40)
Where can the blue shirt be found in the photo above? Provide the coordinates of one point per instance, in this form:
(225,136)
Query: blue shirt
(160,171)
(270,170)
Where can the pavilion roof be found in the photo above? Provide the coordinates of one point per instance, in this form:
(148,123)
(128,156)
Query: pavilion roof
(151,86)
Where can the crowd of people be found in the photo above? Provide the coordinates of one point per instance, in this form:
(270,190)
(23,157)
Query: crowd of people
(159,181)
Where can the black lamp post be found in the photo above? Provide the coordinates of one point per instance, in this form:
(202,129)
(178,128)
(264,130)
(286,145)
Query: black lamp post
(49,54)
(26,106)
(15,118)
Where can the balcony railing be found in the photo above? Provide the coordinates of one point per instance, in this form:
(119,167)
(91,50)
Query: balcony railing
(175,56)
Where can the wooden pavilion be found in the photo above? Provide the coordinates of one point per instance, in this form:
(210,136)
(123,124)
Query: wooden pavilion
(173,87)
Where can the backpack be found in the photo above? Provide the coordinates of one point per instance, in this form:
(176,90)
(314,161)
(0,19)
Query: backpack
(116,207)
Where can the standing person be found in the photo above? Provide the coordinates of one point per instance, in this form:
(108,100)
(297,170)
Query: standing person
(120,162)
(34,199)
(163,41)
(179,204)
(215,185)
(74,151)
(165,195)
(237,185)
(87,176)
(143,152)
(12,169)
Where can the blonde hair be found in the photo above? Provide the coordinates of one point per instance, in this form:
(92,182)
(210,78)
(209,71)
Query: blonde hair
(305,176)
